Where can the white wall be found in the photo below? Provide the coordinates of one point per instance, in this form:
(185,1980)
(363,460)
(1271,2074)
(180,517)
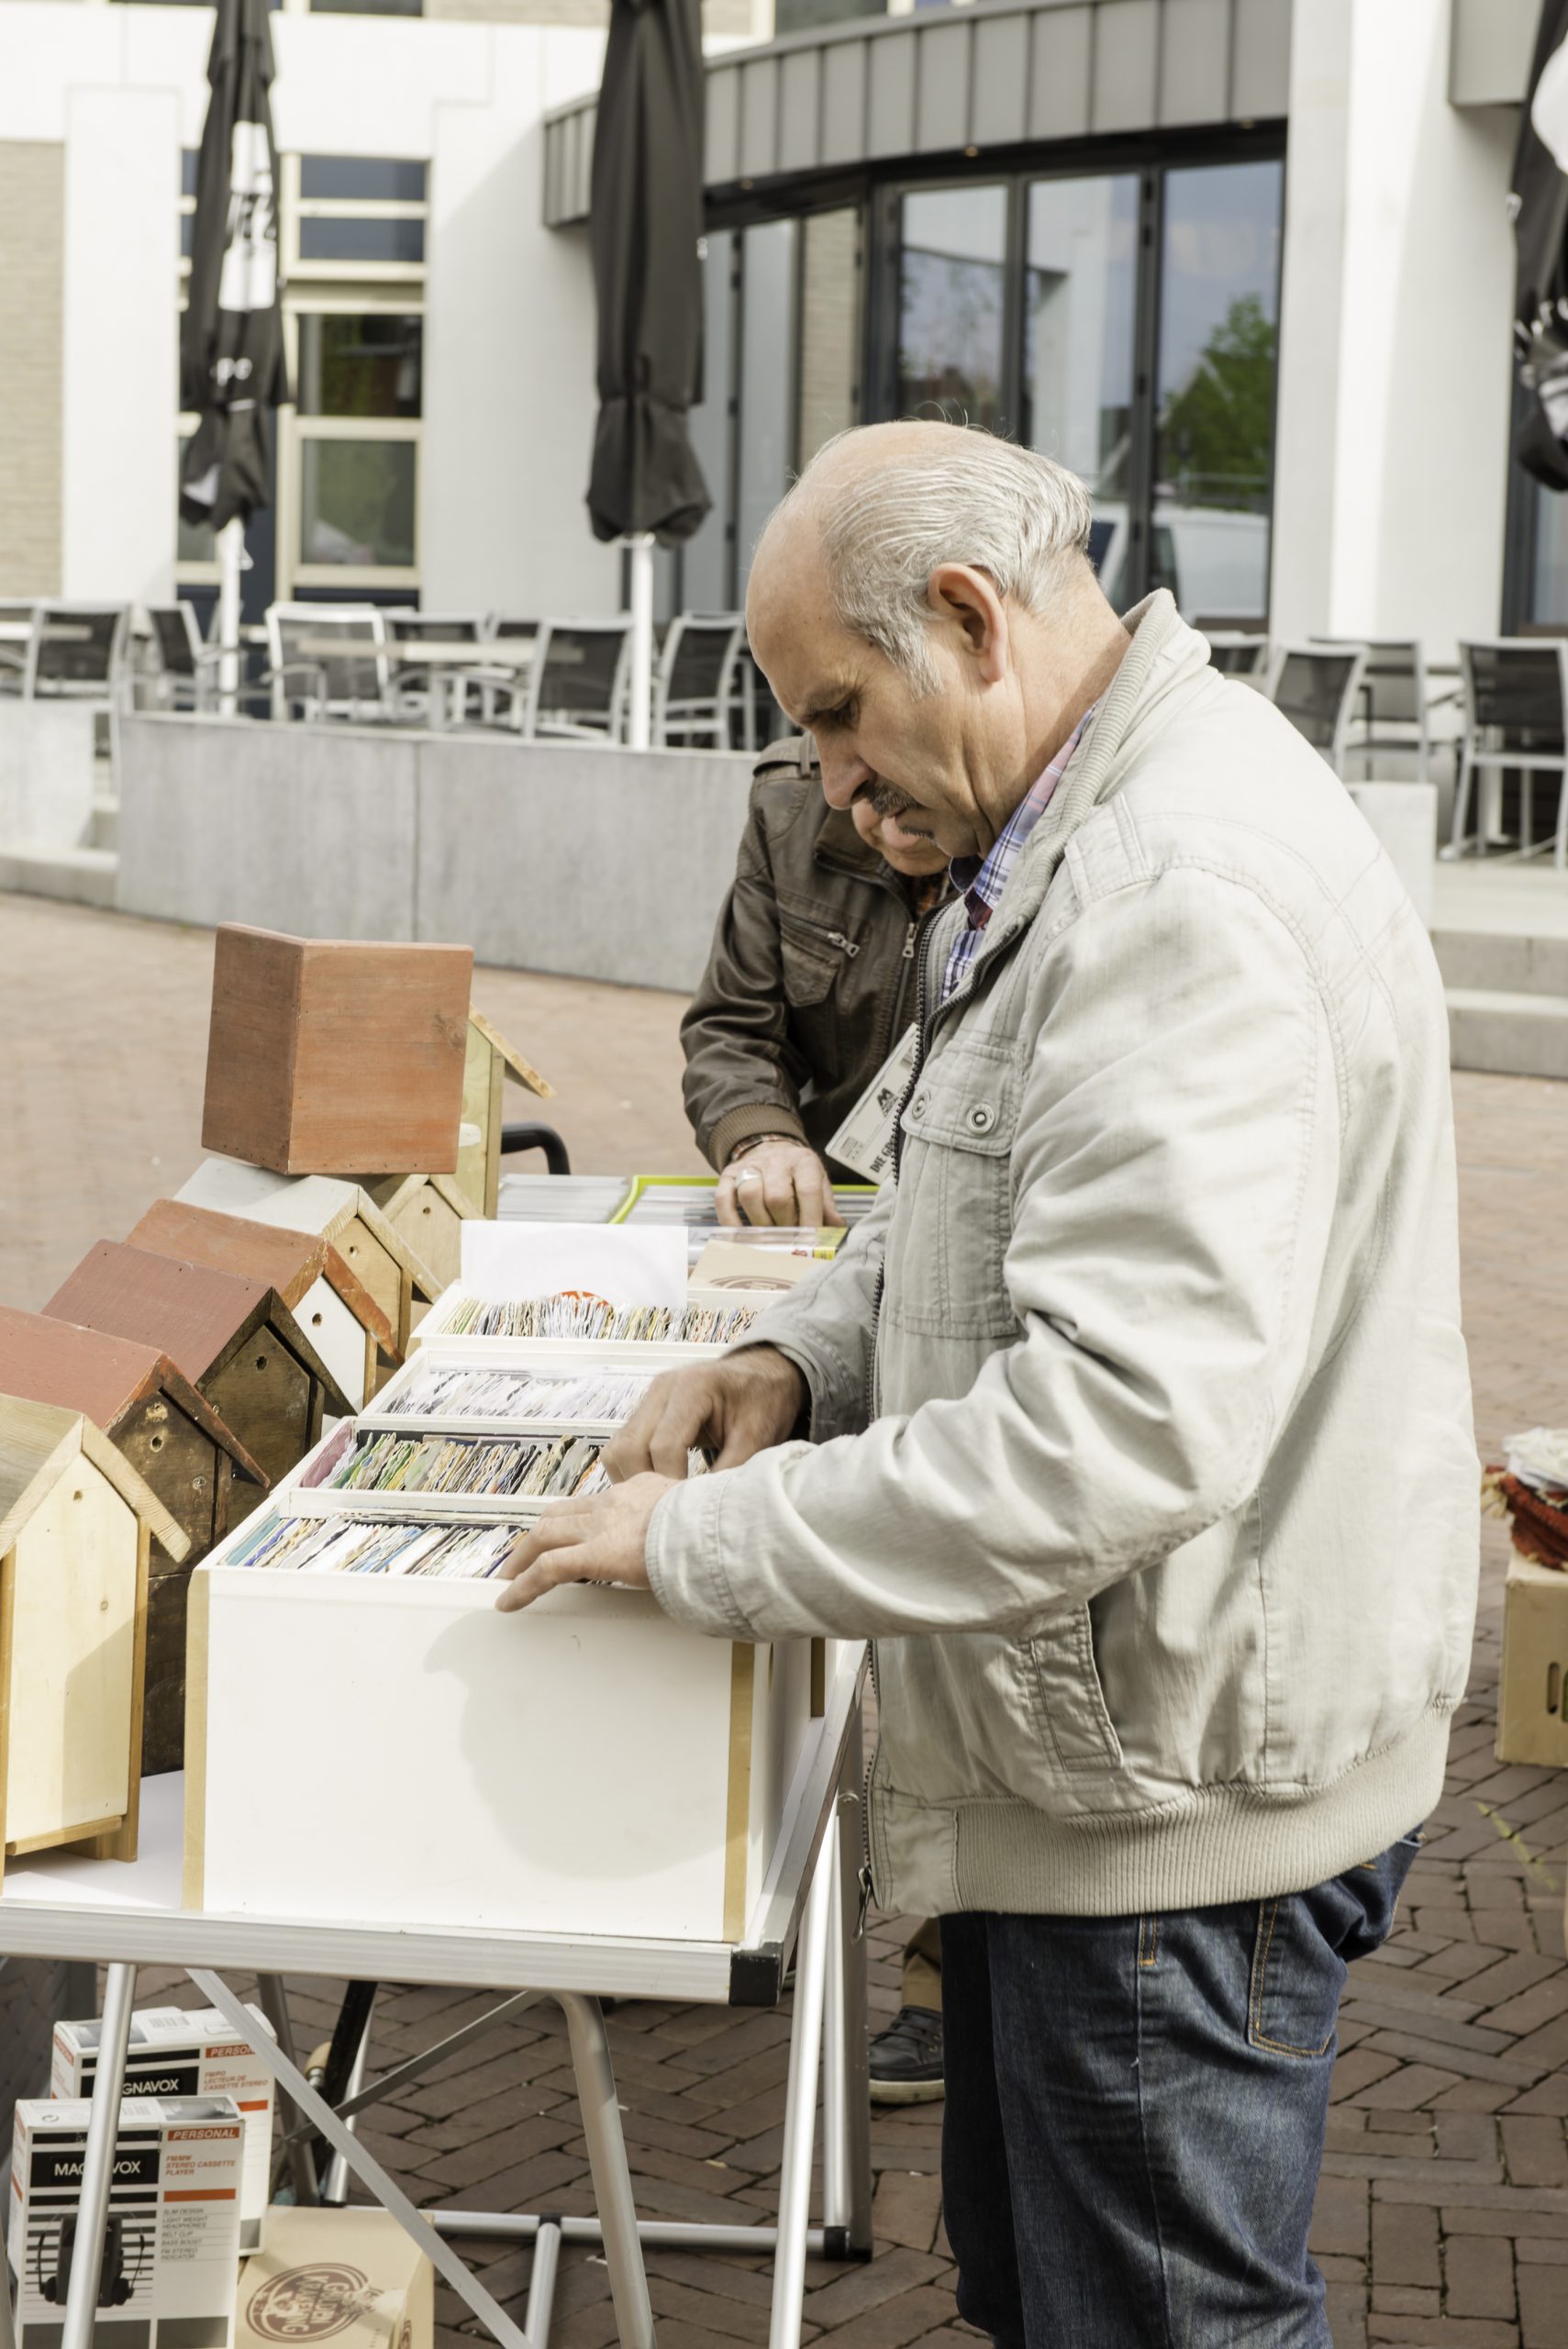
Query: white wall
(1391,456)
(509,393)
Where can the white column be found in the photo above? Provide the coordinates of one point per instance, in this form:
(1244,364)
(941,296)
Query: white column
(1391,455)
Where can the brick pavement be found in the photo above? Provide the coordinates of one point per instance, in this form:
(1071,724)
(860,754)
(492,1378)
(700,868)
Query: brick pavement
(1442,2217)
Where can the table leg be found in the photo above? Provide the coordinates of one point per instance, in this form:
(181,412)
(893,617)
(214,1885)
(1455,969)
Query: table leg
(274,2005)
(335,2185)
(98,2164)
(543,2270)
(366,2168)
(800,2107)
(608,2162)
(846,2089)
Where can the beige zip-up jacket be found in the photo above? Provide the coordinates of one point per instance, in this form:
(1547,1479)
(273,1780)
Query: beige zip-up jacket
(1141,1438)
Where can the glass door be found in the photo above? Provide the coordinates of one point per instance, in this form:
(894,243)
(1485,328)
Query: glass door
(1080,319)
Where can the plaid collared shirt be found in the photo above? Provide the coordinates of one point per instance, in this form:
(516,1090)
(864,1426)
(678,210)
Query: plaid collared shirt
(981,880)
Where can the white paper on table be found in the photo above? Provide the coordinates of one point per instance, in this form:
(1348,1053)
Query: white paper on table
(626,1263)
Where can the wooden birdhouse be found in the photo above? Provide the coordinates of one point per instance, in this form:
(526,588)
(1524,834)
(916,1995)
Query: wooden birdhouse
(191,1463)
(235,1339)
(76,1525)
(491,1060)
(330,1209)
(326,1054)
(428,1212)
(331,1304)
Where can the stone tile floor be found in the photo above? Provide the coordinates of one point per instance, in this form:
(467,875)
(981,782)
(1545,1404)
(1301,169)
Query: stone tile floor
(1442,2217)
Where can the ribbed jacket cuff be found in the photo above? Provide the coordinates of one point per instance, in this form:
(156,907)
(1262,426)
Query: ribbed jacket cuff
(752,1117)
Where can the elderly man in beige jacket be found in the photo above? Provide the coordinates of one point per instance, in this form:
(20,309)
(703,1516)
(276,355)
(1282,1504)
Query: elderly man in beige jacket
(1133,1427)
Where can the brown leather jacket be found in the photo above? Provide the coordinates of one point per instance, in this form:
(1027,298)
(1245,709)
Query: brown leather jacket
(811,980)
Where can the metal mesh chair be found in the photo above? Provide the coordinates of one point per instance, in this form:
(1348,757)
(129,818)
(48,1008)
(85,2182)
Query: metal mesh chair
(330,659)
(1391,705)
(1315,686)
(187,669)
(76,651)
(1516,720)
(1237,652)
(577,687)
(693,692)
(16,620)
(411,678)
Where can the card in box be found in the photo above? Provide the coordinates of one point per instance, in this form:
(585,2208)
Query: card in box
(173,2053)
(172,2242)
(351,2275)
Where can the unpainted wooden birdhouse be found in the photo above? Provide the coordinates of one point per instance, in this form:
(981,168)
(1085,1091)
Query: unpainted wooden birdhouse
(332,1210)
(490,1062)
(76,1527)
(190,1461)
(326,1297)
(235,1339)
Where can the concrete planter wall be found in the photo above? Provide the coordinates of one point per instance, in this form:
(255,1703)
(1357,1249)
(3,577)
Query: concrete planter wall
(46,773)
(594,864)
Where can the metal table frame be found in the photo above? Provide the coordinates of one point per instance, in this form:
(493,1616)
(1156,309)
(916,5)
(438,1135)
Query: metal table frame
(809,1904)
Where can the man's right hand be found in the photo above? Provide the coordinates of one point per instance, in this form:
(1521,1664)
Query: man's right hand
(732,1407)
(778,1181)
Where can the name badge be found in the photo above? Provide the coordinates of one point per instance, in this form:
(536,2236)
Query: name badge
(864,1142)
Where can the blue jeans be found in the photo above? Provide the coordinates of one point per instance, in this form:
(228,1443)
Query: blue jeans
(1135,2116)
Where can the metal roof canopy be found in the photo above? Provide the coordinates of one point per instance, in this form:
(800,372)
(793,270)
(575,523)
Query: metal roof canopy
(888,90)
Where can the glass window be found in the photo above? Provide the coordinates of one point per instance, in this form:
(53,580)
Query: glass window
(357,502)
(187,235)
(1215,388)
(952,273)
(189,158)
(830,329)
(1549,569)
(707,556)
(366,7)
(767,379)
(361,241)
(363,179)
(359,364)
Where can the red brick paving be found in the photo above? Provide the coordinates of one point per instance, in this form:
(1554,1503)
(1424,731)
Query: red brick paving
(1442,2217)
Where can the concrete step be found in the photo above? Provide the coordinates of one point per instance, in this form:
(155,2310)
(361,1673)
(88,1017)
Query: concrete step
(1508,1033)
(1502,962)
(104,824)
(82,876)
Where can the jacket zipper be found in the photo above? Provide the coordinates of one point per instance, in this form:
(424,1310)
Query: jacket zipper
(847,947)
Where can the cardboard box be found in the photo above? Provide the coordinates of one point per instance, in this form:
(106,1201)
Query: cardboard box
(172,2244)
(174,2052)
(351,2275)
(326,1055)
(1532,1697)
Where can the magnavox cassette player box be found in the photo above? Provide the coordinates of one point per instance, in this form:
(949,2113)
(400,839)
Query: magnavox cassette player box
(172,2242)
(175,2052)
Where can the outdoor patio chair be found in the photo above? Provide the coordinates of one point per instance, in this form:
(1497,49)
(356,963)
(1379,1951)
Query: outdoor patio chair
(187,669)
(409,629)
(577,685)
(1516,720)
(304,666)
(1237,652)
(1391,705)
(1315,685)
(695,696)
(76,651)
(16,628)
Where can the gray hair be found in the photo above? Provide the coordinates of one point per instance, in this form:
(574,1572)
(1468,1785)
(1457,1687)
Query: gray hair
(1018,516)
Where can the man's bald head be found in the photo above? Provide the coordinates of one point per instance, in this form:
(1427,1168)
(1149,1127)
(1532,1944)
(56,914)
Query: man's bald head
(880,508)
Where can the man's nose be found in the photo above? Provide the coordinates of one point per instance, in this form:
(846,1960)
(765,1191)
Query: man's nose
(843,772)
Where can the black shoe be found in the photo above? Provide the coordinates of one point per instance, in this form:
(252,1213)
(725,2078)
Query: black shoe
(906,2059)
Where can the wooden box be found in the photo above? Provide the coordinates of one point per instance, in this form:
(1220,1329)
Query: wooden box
(332,1210)
(1533,1695)
(489,1060)
(326,1054)
(234,1340)
(76,1525)
(330,1303)
(427,1212)
(176,1443)
(585,1767)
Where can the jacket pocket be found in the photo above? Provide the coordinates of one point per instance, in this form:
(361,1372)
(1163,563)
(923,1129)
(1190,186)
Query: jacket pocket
(955,1185)
(1068,1701)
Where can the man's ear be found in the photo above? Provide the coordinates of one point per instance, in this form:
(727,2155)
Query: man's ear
(966,599)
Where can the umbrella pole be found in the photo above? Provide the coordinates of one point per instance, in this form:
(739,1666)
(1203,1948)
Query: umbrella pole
(638,732)
(231,562)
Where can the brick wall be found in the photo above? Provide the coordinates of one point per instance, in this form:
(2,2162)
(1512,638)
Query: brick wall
(32,217)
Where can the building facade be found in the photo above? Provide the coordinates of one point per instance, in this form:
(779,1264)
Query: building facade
(1245,265)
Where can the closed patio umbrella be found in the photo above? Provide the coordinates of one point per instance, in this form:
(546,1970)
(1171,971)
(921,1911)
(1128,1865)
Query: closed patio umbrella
(645,220)
(231,350)
(1540,207)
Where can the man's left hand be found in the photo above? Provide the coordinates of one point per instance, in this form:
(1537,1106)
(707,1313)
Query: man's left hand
(601,1539)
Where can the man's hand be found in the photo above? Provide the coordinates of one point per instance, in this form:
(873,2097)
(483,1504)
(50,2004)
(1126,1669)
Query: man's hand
(733,1407)
(779,1182)
(603,1539)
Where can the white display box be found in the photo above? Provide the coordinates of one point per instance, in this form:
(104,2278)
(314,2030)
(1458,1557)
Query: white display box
(375,1750)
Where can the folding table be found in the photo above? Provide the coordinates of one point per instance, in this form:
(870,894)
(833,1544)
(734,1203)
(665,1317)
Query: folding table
(125,1915)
